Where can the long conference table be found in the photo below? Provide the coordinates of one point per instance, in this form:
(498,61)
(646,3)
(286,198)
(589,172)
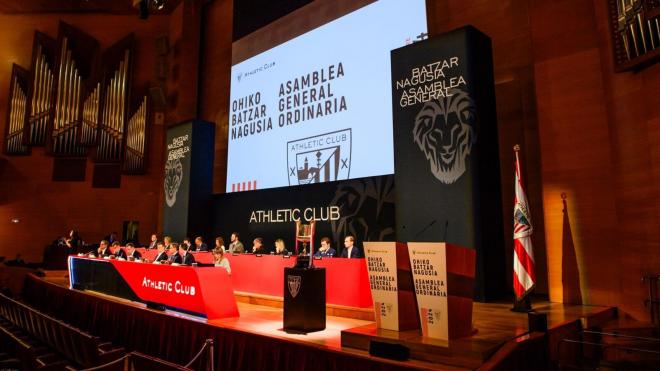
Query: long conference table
(202,291)
(347,281)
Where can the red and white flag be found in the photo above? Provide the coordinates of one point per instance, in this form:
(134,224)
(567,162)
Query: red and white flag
(524,278)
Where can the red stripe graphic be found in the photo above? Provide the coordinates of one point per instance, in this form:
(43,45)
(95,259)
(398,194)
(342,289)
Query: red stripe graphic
(524,259)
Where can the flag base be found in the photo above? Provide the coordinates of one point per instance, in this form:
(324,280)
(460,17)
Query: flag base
(522,306)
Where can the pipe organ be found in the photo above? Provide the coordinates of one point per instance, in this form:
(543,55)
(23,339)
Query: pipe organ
(66,119)
(41,89)
(90,117)
(74,99)
(16,110)
(136,133)
(117,75)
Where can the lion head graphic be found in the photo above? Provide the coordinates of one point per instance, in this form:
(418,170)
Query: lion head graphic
(173,178)
(444,131)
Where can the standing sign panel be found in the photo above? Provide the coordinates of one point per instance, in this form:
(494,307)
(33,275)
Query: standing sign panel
(429,269)
(188,178)
(446,158)
(381,266)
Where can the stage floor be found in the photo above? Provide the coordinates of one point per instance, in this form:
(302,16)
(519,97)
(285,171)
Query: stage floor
(494,322)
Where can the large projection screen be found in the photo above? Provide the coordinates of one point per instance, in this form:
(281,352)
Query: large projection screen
(317,108)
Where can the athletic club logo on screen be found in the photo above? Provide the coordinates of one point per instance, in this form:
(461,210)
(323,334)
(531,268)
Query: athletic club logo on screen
(321,158)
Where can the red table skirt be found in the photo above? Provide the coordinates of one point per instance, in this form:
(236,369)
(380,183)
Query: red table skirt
(347,281)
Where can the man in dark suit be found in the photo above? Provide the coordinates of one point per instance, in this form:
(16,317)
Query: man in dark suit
(117,250)
(162,255)
(132,253)
(325,250)
(187,256)
(104,249)
(350,250)
(200,245)
(174,254)
(258,246)
(186,241)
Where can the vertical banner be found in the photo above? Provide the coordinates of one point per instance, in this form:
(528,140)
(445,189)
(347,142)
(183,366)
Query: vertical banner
(381,266)
(446,158)
(429,269)
(187,180)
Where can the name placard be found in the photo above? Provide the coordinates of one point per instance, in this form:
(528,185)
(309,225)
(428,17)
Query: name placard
(381,267)
(428,262)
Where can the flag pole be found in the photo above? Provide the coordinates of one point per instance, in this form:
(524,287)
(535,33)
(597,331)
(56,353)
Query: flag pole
(522,230)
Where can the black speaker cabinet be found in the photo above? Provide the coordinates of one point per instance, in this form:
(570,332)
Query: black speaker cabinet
(304,300)
(537,321)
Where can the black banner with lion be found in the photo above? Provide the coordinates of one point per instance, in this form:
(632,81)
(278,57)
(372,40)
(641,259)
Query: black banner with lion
(446,159)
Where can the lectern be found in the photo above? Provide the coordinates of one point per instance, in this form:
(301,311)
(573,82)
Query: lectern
(304,299)
(443,275)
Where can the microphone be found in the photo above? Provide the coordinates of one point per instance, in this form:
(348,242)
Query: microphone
(425,228)
(446,229)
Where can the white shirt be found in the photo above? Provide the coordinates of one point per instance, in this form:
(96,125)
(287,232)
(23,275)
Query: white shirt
(350,249)
(224,263)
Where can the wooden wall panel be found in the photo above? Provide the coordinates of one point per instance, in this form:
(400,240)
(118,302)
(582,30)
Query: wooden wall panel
(215,80)
(507,24)
(599,134)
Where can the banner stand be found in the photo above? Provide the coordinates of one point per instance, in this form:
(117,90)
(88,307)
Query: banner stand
(391,285)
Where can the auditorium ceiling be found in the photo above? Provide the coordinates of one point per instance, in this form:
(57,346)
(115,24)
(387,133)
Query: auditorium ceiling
(77,6)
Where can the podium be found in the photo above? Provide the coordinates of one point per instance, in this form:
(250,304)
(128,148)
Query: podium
(304,300)
(443,275)
(391,285)
(427,285)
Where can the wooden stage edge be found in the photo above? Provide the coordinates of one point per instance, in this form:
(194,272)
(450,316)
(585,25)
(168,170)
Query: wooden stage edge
(348,330)
(494,325)
(365,314)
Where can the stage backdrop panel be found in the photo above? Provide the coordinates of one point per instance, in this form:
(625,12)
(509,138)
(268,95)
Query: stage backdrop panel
(361,207)
(188,179)
(446,149)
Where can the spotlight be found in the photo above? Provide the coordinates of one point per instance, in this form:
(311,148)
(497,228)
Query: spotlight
(159,4)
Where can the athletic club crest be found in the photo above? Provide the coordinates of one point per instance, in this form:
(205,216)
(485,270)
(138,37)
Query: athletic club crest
(321,158)
(294,285)
(444,131)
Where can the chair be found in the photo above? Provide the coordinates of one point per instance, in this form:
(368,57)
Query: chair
(305,235)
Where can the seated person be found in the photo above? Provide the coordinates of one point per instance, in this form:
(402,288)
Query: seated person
(279,247)
(200,245)
(258,246)
(325,250)
(236,246)
(220,260)
(186,241)
(162,254)
(132,253)
(103,250)
(174,258)
(154,242)
(219,243)
(187,257)
(167,240)
(118,252)
(350,250)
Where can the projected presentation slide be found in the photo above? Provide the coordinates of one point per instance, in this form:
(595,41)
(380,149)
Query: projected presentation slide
(317,108)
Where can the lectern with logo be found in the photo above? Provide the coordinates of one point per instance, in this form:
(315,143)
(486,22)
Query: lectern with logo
(304,298)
